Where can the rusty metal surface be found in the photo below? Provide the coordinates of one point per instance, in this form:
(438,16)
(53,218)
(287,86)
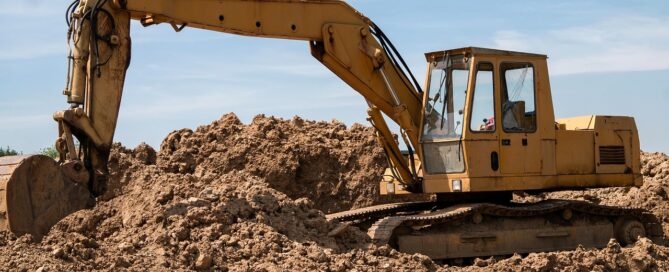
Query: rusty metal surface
(379,210)
(7,166)
(381,230)
(35,195)
(389,218)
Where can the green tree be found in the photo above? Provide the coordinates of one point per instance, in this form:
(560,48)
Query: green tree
(7,152)
(49,151)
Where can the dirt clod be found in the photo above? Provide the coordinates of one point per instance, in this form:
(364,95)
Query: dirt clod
(203,261)
(253,197)
(58,253)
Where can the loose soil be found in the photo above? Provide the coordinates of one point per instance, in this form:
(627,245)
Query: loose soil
(230,196)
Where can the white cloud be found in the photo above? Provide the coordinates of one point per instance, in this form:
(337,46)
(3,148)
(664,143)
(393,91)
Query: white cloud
(22,51)
(236,70)
(231,67)
(243,99)
(623,43)
(296,69)
(31,8)
(180,104)
(32,29)
(25,121)
(511,40)
(623,58)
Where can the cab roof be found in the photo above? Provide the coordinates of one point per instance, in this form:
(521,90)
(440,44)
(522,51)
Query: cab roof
(480,51)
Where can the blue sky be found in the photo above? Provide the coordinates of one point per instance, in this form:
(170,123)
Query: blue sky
(606,57)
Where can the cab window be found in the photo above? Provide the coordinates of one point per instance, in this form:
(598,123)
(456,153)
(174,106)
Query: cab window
(444,110)
(483,104)
(518,93)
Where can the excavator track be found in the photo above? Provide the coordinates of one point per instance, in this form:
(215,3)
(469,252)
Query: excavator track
(486,229)
(378,211)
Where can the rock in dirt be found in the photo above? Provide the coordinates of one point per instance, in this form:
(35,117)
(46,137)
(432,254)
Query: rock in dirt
(58,253)
(203,261)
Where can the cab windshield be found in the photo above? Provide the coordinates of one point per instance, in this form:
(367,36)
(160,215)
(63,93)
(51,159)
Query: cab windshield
(446,99)
(444,113)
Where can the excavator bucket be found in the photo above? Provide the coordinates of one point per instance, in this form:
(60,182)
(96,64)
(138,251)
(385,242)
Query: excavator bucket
(35,195)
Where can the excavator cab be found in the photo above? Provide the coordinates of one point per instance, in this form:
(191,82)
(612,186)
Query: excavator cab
(488,128)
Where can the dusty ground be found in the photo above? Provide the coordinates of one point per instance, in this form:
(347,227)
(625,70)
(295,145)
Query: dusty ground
(235,197)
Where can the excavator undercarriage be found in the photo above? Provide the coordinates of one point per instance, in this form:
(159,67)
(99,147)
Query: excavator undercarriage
(446,231)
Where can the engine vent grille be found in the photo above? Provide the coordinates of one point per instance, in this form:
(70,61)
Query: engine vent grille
(612,154)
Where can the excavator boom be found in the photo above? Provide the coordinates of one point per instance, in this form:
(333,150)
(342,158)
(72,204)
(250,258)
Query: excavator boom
(339,37)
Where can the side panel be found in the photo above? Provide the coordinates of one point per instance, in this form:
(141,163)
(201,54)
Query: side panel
(500,236)
(548,159)
(617,148)
(575,152)
(513,153)
(578,123)
(442,183)
(480,158)
(546,120)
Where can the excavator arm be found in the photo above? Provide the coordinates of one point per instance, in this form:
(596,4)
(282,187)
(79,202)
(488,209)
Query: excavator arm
(36,192)
(341,38)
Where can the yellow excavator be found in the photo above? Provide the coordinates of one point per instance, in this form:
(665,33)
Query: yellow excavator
(483,128)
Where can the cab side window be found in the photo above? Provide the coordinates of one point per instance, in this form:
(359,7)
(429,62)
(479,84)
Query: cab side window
(483,109)
(518,97)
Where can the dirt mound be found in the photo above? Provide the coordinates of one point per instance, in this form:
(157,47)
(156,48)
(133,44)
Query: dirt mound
(226,196)
(236,197)
(337,168)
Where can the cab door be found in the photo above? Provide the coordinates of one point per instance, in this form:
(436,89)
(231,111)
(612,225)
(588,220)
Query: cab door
(482,138)
(520,143)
